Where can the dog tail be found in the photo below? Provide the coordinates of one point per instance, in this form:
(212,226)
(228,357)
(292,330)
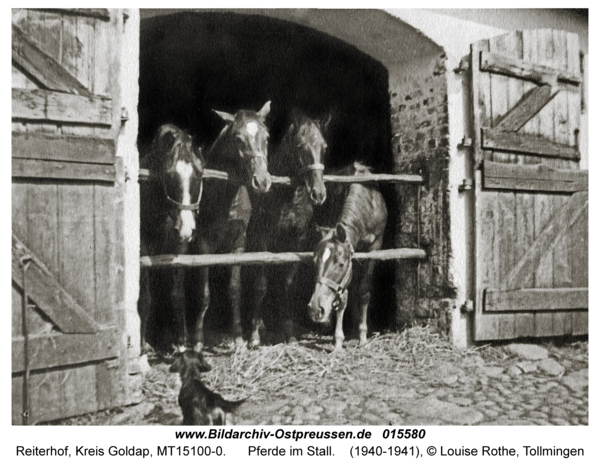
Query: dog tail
(230,406)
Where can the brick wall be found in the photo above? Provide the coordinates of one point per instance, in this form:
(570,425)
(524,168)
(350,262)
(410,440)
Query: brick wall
(419,118)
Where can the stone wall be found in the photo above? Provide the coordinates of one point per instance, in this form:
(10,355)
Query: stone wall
(420,140)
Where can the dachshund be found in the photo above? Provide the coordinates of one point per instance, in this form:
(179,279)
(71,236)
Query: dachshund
(200,406)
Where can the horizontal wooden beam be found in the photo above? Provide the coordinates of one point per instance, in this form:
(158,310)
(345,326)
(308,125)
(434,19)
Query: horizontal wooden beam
(42,169)
(47,71)
(540,74)
(47,293)
(267,258)
(514,142)
(55,349)
(100,13)
(535,178)
(286,181)
(41,104)
(33,145)
(528,300)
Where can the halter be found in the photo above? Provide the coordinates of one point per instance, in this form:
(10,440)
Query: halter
(181,206)
(338,288)
(312,167)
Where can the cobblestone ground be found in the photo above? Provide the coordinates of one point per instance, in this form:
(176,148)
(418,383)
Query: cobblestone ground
(539,384)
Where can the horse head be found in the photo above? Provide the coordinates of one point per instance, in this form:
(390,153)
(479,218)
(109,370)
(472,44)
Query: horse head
(305,144)
(179,165)
(246,137)
(333,268)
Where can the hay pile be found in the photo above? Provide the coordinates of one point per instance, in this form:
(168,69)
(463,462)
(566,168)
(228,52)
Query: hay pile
(312,366)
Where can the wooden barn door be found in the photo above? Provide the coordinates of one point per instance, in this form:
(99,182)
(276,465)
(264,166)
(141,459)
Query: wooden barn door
(531,199)
(66,214)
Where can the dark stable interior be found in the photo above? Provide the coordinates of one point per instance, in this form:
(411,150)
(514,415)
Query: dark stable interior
(192,63)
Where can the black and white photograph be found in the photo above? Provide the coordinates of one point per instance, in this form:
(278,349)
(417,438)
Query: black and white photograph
(287,217)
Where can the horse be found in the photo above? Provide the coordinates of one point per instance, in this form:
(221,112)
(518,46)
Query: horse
(358,226)
(168,203)
(281,218)
(241,149)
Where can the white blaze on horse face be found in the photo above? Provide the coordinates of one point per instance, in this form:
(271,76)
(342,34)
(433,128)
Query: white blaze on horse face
(252,128)
(188,223)
(326,255)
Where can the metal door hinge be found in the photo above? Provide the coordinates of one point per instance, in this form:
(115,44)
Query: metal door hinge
(465,143)
(467,307)
(467,184)
(463,66)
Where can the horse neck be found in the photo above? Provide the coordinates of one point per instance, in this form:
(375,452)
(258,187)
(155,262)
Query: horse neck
(222,156)
(280,163)
(352,216)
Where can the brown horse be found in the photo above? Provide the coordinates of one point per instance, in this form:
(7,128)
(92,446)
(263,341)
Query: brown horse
(281,218)
(169,202)
(358,226)
(241,149)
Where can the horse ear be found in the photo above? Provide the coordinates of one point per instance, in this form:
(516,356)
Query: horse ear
(262,114)
(325,120)
(165,137)
(340,232)
(226,116)
(162,144)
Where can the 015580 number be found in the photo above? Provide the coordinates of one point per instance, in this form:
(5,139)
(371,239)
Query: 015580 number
(404,433)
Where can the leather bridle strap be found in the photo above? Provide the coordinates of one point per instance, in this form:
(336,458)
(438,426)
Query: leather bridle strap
(181,206)
(337,288)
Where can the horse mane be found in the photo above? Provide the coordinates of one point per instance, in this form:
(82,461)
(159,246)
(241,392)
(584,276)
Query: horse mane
(352,215)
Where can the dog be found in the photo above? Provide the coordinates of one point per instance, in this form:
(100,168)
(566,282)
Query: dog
(200,406)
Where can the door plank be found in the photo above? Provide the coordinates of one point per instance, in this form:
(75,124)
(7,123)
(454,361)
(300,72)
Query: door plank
(561,222)
(525,234)
(29,57)
(536,299)
(544,146)
(40,104)
(57,350)
(481,99)
(76,249)
(514,67)
(48,294)
(34,168)
(533,126)
(534,178)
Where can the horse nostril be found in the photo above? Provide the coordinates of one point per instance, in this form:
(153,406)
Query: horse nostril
(317,197)
(255,183)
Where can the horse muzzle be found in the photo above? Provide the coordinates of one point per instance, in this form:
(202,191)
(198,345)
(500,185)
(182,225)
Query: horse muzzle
(261,183)
(320,306)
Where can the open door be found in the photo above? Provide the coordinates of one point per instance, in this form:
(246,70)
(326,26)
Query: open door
(66,215)
(531,198)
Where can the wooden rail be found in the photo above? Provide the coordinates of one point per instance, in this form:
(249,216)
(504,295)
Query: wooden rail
(266,258)
(276,180)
